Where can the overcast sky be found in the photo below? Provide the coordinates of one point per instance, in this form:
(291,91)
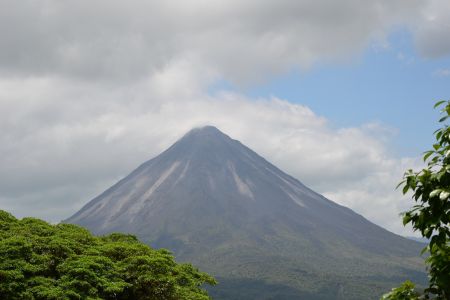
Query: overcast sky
(336,93)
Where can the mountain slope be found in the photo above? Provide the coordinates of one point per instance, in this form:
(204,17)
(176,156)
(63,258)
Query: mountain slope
(263,233)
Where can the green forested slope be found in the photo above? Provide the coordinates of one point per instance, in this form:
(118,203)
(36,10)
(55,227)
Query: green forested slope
(282,265)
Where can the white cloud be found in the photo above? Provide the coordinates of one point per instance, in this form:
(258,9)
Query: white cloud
(442,72)
(67,142)
(90,89)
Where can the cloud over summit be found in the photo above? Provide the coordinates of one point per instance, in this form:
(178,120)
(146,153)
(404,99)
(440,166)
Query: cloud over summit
(91,89)
(65,151)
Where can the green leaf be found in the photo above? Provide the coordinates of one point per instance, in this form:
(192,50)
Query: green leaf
(406,219)
(400,184)
(443,118)
(405,189)
(444,195)
(424,250)
(435,193)
(427,154)
(439,103)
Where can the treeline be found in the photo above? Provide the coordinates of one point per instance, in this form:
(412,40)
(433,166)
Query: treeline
(43,261)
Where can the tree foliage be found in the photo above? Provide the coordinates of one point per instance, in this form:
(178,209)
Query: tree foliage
(431,213)
(43,261)
(404,292)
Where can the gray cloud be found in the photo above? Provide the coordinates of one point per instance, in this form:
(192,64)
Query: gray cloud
(63,148)
(242,41)
(91,89)
(433,29)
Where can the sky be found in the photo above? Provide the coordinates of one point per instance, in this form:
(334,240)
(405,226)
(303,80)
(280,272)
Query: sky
(338,94)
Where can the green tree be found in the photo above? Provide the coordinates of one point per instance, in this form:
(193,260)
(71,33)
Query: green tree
(43,261)
(404,292)
(431,213)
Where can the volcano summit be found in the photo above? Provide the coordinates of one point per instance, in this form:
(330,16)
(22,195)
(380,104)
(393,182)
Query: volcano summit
(262,233)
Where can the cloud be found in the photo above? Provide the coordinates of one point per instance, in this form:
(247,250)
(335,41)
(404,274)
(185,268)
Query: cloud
(91,89)
(243,41)
(442,72)
(66,142)
(433,29)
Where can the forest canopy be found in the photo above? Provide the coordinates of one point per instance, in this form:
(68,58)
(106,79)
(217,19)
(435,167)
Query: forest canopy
(65,261)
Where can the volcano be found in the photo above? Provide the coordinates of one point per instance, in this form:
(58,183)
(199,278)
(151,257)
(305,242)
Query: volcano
(263,234)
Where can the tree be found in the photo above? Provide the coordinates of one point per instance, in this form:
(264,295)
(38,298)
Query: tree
(404,292)
(431,213)
(43,261)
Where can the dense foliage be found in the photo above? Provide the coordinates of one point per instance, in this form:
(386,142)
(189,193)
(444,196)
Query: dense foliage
(404,292)
(43,261)
(431,214)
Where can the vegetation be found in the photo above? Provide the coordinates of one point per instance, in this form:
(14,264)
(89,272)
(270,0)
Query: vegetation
(316,271)
(404,292)
(64,261)
(431,214)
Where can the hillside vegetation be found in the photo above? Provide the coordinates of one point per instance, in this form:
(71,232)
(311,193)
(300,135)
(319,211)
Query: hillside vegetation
(65,261)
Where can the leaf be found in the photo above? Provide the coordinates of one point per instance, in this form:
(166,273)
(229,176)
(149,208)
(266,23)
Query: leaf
(424,250)
(439,103)
(400,184)
(435,193)
(405,189)
(440,174)
(443,119)
(406,219)
(427,154)
(444,195)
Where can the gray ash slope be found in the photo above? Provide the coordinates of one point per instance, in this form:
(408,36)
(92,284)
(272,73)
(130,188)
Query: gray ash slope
(265,235)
